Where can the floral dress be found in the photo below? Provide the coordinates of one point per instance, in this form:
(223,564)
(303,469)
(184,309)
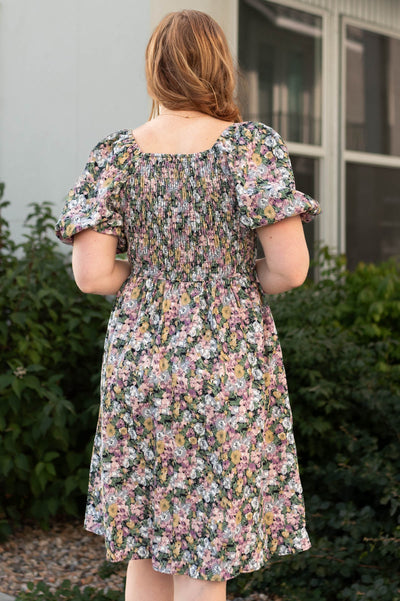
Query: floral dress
(194,462)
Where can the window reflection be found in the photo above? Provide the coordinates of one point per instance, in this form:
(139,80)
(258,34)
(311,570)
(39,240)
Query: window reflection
(372,92)
(280,58)
(372,213)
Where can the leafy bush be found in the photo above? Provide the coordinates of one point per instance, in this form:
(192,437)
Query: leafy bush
(341,343)
(51,338)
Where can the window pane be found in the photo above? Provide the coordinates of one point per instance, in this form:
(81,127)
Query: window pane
(280,58)
(372,213)
(372,92)
(305,173)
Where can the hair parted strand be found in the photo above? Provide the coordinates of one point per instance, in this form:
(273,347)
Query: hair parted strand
(189,66)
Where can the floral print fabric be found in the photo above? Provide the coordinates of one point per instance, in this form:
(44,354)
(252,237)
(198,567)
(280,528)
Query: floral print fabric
(194,462)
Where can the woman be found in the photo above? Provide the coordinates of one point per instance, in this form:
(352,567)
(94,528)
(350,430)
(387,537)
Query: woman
(194,475)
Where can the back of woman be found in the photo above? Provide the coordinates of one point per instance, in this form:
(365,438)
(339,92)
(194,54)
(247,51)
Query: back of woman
(194,475)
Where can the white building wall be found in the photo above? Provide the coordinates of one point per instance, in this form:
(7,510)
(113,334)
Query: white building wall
(71,72)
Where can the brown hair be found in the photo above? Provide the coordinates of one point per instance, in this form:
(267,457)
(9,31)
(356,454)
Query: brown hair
(189,66)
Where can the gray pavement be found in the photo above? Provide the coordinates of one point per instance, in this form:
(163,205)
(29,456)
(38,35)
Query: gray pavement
(4,597)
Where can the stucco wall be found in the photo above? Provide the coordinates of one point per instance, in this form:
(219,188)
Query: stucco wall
(71,72)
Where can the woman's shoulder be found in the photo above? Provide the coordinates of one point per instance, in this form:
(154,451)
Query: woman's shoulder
(113,145)
(248,134)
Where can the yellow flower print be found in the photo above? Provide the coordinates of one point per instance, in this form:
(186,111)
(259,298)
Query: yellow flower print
(256,158)
(177,548)
(285,534)
(123,431)
(235,457)
(269,437)
(117,389)
(163,475)
(185,299)
(228,258)
(113,510)
(148,423)
(282,436)
(135,293)
(269,155)
(207,335)
(163,364)
(110,430)
(174,379)
(193,440)
(180,440)
(267,378)
(130,524)
(232,340)
(226,312)
(118,538)
(122,158)
(238,517)
(144,327)
(160,446)
(69,230)
(189,539)
(226,503)
(221,436)
(269,518)
(109,370)
(239,371)
(249,516)
(175,520)
(269,212)
(166,304)
(164,505)
(210,477)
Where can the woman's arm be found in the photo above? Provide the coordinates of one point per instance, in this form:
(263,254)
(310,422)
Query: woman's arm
(96,269)
(286,262)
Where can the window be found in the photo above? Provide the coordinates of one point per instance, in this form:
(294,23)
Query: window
(280,58)
(373,92)
(372,145)
(372,214)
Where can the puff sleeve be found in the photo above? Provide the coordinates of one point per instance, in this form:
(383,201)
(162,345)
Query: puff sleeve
(266,190)
(97,199)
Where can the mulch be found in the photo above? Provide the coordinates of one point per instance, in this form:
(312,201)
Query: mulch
(64,552)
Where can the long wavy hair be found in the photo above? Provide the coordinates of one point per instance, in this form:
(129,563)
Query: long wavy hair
(189,66)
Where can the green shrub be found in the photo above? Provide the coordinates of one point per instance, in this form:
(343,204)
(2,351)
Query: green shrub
(51,338)
(341,344)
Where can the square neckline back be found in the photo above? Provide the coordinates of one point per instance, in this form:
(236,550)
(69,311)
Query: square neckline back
(183,154)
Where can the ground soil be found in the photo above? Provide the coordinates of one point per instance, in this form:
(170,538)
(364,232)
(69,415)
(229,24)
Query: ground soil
(64,551)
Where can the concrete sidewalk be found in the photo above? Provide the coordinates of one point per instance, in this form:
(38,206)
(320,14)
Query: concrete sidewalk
(4,597)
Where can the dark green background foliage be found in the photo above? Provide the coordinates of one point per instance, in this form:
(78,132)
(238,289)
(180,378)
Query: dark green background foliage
(341,344)
(51,338)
